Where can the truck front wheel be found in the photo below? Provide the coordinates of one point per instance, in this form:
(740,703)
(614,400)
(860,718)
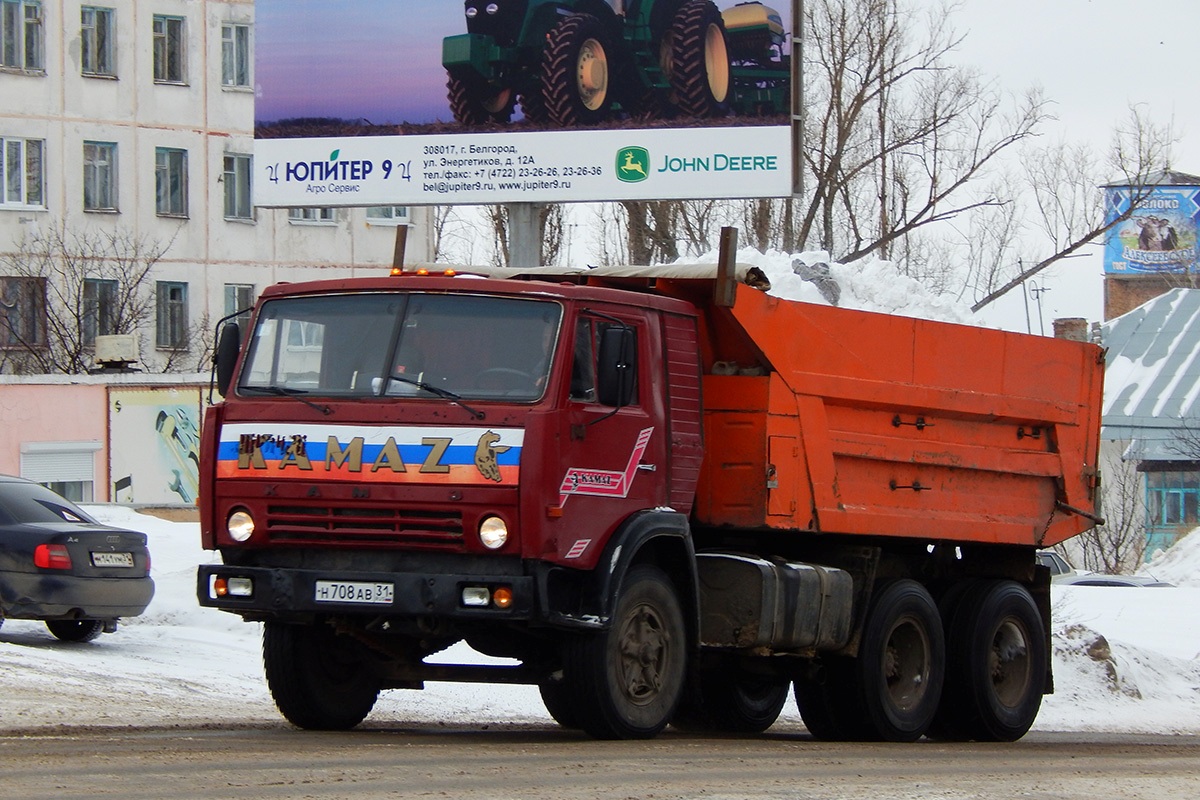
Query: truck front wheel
(626,681)
(318,679)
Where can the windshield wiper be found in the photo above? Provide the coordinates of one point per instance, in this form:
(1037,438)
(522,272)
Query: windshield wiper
(437,390)
(281,391)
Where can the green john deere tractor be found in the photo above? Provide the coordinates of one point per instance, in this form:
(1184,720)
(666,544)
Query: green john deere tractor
(578,62)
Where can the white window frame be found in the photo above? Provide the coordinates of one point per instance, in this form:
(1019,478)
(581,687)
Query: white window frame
(22,173)
(50,463)
(22,35)
(311,215)
(388,215)
(170,182)
(99,176)
(236,60)
(236,177)
(170,49)
(170,315)
(98,34)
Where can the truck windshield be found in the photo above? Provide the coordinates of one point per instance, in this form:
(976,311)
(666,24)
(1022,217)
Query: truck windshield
(421,345)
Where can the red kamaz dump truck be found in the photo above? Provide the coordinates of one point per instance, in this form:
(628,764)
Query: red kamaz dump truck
(662,497)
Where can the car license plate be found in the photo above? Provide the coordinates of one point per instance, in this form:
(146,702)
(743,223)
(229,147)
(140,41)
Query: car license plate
(112,559)
(376,594)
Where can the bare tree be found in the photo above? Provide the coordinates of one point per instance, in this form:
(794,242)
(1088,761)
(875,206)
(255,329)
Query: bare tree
(552,229)
(96,281)
(895,134)
(1064,182)
(1119,545)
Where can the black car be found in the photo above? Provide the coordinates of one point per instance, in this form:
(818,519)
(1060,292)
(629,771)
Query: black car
(59,565)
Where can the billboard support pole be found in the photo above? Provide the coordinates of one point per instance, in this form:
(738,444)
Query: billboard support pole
(525,234)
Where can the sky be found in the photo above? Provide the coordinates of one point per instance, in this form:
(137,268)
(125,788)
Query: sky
(177,662)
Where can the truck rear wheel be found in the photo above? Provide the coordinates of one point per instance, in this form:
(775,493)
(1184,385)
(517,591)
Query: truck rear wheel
(575,71)
(743,703)
(829,704)
(699,71)
(902,662)
(319,680)
(996,672)
(626,681)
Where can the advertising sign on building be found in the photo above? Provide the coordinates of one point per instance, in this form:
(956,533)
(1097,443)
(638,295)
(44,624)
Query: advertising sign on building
(425,102)
(1160,234)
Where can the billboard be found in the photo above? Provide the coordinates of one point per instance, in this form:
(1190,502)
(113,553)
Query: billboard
(1160,234)
(375,102)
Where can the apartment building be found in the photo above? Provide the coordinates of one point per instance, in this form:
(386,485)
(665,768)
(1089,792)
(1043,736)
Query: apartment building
(132,122)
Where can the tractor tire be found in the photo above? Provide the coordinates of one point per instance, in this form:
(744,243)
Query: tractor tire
(575,72)
(626,681)
(533,106)
(701,81)
(474,103)
(318,679)
(996,665)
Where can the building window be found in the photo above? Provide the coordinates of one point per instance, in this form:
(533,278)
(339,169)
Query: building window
(239,298)
(235,55)
(237,187)
(386,214)
(99,176)
(21,40)
(22,176)
(170,182)
(99,39)
(169,64)
(170,305)
(63,467)
(310,214)
(99,309)
(22,312)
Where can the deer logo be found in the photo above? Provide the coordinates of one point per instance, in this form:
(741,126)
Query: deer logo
(633,164)
(485,456)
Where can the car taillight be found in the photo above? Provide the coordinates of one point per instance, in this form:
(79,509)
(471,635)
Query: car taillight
(52,556)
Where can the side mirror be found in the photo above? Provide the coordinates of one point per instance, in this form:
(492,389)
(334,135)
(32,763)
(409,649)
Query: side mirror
(225,359)
(616,366)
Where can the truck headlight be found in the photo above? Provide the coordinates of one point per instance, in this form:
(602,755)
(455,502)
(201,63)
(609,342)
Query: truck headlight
(493,532)
(240,526)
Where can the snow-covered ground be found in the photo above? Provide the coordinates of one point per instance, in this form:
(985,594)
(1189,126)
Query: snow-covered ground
(1125,660)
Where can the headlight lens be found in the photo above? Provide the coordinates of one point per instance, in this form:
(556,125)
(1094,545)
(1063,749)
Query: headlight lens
(493,532)
(240,526)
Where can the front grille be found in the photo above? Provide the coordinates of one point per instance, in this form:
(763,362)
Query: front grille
(364,526)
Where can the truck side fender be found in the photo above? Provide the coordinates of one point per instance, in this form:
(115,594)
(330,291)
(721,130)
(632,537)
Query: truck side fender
(662,538)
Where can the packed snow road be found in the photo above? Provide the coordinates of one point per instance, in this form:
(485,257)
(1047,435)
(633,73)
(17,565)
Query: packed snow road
(524,760)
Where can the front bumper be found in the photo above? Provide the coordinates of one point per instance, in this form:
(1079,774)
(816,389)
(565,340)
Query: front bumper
(290,592)
(45,595)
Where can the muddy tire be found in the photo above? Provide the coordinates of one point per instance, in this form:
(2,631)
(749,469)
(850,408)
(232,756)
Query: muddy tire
(701,82)
(996,665)
(319,680)
(575,72)
(627,681)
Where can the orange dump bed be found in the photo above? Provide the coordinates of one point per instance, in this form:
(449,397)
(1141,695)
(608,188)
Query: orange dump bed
(880,425)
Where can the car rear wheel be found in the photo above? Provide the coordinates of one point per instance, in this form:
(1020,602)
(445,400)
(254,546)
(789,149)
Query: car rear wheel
(75,630)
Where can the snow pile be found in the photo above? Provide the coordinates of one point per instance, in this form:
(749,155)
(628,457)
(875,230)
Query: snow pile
(1180,565)
(868,284)
(1125,660)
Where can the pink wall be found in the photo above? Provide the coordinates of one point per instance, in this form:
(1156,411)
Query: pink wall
(54,413)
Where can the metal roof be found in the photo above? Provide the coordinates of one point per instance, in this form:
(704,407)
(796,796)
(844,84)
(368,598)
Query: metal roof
(1152,378)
